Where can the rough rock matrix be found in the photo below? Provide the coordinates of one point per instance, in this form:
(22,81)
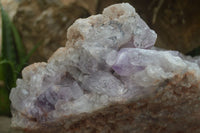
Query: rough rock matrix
(109,78)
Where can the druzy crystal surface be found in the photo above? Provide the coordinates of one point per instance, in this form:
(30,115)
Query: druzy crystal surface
(108,58)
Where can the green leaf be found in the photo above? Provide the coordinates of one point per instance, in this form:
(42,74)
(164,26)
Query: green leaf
(4,93)
(8,49)
(19,46)
(8,74)
(194,52)
(4,102)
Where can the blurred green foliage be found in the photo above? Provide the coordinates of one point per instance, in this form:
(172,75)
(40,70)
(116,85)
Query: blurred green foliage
(12,60)
(194,52)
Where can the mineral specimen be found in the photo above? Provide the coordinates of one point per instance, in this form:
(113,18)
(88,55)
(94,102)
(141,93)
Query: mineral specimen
(109,78)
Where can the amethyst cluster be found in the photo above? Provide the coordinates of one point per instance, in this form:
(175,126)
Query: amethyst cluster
(108,58)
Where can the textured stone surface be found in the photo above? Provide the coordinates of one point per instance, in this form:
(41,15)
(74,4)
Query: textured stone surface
(108,67)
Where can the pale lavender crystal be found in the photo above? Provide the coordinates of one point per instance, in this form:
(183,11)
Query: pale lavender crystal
(143,37)
(47,100)
(63,89)
(104,82)
(132,60)
(126,64)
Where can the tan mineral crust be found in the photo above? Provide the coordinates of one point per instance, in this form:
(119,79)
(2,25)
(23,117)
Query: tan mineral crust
(109,78)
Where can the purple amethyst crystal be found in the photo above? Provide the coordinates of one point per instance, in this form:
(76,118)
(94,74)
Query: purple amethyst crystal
(130,61)
(126,64)
(47,100)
